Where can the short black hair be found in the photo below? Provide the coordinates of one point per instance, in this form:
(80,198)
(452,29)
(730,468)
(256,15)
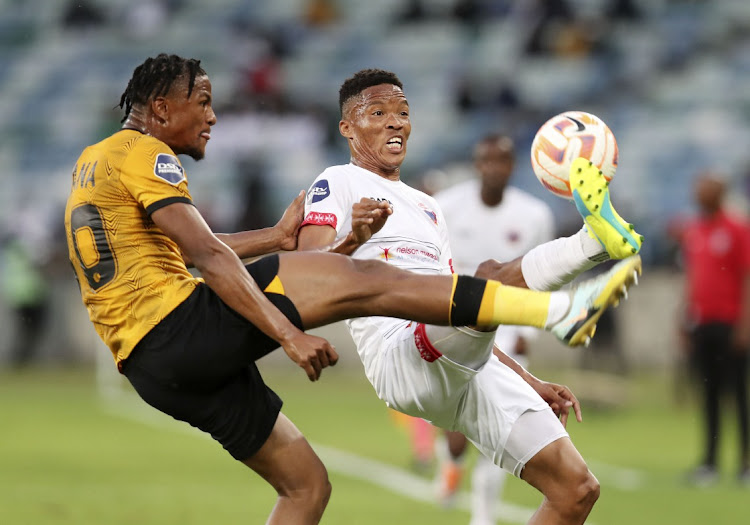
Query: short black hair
(362,80)
(155,78)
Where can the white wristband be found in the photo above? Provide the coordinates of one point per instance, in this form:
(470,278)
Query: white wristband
(554,264)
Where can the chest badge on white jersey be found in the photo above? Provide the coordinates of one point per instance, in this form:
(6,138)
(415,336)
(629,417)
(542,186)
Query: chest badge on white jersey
(431,214)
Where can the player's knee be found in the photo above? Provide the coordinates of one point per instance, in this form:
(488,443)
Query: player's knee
(319,495)
(588,490)
(312,491)
(322,490)
(581,494)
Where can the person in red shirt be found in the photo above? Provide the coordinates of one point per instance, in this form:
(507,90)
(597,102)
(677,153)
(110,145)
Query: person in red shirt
(716,251)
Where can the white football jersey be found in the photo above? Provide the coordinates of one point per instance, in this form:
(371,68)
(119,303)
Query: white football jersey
(504,232)
(413,238)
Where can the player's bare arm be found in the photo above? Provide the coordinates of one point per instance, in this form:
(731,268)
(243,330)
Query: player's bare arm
(223,271)
(508,273)
(281,236)
(558,397)
(368,218)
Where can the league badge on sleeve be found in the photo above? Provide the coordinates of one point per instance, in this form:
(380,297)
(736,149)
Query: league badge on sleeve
(168,168)
(319,191)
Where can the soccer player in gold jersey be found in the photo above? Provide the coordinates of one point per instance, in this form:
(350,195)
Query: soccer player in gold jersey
(188,345)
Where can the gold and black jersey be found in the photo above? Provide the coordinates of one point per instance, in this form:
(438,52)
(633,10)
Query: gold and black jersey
(130,273)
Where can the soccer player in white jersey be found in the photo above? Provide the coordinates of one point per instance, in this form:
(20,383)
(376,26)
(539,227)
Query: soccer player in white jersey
(447,375)
(488,219)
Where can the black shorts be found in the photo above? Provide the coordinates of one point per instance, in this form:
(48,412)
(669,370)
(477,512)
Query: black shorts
(198,366)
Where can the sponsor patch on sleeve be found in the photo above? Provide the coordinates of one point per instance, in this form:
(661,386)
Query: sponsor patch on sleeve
(320,219)
(168,168)
(319,191)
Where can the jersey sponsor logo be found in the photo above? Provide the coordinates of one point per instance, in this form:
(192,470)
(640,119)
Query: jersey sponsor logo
(403,253)
(416,252)
(319,191)
(320,219)
(168,168)
(431,214)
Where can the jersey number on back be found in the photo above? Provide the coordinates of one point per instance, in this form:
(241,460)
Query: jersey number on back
(92,246)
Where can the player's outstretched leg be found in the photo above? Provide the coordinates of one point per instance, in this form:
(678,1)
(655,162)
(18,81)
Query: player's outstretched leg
(591,298)
(326,288)
(591,196)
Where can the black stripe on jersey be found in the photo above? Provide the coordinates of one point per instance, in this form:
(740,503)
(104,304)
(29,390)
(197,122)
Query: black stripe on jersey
(166,202)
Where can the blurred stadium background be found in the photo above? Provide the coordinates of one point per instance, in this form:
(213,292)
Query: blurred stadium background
(670,77)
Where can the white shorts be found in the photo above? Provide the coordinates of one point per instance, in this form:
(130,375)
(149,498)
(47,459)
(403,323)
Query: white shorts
(479,396)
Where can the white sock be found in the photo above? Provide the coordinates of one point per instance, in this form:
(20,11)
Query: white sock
(554,264)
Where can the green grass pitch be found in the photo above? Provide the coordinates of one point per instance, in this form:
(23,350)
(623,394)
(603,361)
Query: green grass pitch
(68,457)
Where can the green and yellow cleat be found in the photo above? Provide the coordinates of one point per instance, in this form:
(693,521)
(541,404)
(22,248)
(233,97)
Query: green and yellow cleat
(591,298)
(591,196)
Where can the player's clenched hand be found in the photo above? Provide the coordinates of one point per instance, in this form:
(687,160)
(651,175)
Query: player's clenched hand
(288,225)
(559,398)
(368,217)
(311,353)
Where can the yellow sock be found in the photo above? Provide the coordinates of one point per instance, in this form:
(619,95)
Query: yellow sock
(480,302)
(510,305)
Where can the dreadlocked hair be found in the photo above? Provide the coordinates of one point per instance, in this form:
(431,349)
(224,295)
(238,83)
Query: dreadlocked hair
(364,79)
(155,77)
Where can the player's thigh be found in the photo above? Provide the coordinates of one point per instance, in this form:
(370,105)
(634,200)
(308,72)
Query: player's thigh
(327,287)
(494,407)
(287,461)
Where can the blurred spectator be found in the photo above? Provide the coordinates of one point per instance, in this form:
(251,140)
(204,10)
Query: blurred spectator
(256,55)
(82,14)
(716,250)
(468,12)
(624,10)
(413,11)
(144,19)
(256,200)
(25,291)
(320,13)
(547,18)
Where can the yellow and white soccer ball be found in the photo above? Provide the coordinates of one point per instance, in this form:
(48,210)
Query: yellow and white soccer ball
(565,137)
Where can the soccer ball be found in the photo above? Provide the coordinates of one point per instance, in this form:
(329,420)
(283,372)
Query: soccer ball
(565,137)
